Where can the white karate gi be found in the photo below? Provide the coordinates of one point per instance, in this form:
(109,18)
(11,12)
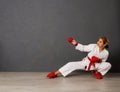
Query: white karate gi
(93,50)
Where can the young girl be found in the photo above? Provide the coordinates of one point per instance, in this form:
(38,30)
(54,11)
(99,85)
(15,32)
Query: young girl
(95,60)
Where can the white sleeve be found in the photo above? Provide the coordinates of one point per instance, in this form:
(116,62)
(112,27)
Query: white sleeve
(105,57)
(85,48)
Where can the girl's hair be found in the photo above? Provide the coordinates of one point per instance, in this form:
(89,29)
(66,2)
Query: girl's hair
(105,41)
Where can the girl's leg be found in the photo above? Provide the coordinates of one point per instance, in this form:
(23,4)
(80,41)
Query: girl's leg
(70,67)
(104,67)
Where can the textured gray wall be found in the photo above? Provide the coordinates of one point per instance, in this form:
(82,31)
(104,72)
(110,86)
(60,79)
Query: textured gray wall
(33,33)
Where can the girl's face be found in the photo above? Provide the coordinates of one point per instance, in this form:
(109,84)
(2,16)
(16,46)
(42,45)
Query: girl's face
(100,43)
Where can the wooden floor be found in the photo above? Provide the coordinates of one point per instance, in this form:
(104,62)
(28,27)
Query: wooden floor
(37,82)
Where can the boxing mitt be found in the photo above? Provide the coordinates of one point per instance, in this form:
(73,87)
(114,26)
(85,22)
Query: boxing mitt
(70,40)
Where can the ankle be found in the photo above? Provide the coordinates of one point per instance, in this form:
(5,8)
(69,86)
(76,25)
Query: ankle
(57,73)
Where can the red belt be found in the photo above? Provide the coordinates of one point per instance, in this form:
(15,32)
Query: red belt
(93,60)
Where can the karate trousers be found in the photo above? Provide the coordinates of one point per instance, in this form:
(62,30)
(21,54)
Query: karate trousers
(102,67)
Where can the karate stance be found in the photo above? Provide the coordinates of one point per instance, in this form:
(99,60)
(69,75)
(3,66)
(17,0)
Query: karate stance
(95,60)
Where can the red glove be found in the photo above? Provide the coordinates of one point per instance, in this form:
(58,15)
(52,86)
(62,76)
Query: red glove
(70,40)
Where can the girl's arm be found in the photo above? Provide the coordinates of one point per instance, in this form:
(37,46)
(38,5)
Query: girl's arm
(105,56)
(85,48)
(78,46)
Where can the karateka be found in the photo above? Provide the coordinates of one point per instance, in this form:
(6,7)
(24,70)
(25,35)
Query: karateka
(95,60)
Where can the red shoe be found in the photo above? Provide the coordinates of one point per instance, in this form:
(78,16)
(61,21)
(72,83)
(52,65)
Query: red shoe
(98,75)
(51,75)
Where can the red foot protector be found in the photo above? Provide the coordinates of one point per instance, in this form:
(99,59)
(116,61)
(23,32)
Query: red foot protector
(98,75)
(51,75)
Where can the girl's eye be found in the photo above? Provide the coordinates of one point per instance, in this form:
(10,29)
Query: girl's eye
(99,41)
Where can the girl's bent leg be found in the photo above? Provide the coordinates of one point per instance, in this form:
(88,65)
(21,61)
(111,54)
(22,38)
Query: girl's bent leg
(104,67)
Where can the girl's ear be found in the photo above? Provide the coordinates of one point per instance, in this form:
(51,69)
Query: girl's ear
(106,44)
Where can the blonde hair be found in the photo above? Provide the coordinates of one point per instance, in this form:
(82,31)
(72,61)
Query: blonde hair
(105,41)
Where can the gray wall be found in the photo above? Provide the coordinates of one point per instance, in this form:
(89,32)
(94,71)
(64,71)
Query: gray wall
(33,33)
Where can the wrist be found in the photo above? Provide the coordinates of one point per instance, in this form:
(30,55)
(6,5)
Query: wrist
(76,44)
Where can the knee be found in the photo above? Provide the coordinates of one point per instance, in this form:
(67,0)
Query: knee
(105,65)
(71,64)
(109,65)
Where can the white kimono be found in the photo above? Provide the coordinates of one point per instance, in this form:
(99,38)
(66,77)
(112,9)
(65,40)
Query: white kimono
(93,50)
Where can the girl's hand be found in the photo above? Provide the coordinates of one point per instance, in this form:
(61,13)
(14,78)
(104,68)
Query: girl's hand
(74,42)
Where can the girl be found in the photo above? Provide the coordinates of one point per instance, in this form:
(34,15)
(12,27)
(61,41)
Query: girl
(95,60)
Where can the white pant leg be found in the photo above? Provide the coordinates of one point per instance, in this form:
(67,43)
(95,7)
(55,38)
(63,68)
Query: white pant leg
(72,66)
(104,67)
